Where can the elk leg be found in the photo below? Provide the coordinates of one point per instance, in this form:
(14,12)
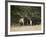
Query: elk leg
(23,23)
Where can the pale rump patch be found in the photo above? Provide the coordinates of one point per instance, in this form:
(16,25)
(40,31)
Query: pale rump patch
(21,20)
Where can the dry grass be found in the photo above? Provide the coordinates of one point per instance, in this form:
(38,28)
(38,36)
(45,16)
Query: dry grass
(25,28)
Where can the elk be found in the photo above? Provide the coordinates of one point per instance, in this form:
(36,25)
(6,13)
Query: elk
(29,20)
(21,21)
(25,21)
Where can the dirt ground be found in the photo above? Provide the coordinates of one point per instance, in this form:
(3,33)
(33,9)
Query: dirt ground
(25,28)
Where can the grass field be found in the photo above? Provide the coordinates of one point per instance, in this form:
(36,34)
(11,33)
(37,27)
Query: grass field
(25,28)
